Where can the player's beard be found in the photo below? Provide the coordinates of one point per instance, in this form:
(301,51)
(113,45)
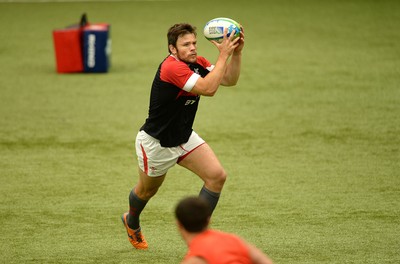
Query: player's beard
(190,58)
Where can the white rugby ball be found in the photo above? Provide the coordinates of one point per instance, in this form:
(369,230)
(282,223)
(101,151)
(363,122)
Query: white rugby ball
(214,29)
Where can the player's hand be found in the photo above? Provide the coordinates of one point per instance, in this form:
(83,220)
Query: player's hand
(228,44)
(239,48)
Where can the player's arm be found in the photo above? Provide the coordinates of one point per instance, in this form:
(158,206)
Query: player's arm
(208,85)
(232,72)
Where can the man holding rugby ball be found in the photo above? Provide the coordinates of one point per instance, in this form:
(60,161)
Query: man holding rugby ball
(167,137)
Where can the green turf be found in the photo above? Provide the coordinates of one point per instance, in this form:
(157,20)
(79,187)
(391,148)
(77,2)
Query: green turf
(310,137)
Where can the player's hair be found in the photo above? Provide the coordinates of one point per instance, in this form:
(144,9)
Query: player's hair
(193,213)
(178,30)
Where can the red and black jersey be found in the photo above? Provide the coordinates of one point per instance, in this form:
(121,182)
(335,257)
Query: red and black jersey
(172,107)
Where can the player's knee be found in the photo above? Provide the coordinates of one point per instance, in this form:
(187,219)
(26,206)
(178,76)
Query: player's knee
(218,179)
(222,177)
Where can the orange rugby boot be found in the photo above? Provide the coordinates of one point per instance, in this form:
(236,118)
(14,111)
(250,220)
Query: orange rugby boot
(134,236)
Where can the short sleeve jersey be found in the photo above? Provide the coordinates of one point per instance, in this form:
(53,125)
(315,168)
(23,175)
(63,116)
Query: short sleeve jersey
(173,107)
(219,248)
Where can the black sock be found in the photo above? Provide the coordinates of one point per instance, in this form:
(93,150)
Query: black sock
(136,206)
(211,197)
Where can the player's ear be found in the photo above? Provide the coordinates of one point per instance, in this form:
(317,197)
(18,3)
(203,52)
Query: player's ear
(172,49)
(179,225)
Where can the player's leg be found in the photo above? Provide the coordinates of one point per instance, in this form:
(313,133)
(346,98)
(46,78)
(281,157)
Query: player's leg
(146,188)
(153,164)
(151,175)
(204,163)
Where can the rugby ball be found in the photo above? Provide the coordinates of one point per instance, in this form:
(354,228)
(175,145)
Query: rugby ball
(214,29)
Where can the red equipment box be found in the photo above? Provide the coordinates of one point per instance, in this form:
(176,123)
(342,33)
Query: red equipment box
(68,49)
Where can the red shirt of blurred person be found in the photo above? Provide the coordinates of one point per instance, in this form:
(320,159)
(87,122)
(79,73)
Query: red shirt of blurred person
(219,248)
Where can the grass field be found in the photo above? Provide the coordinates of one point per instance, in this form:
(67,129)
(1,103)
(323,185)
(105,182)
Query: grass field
(310,136)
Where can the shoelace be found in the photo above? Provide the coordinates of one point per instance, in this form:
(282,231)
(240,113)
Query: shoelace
(138,236)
